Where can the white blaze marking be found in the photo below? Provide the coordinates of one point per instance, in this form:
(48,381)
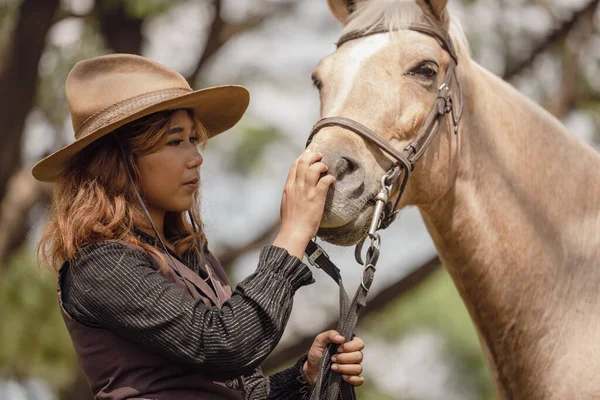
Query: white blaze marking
(349,65)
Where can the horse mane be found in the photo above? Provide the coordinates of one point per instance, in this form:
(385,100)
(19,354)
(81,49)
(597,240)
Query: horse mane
(397,15)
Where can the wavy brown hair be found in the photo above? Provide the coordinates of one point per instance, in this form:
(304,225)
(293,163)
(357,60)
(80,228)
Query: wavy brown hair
(93,200)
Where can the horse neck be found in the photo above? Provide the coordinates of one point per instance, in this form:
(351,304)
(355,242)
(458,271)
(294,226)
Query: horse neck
(519,231)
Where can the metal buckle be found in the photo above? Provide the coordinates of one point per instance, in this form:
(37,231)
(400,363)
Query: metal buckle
(312,258)
(444,90)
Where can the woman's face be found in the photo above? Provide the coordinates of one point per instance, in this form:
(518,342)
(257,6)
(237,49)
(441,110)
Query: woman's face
(170,176)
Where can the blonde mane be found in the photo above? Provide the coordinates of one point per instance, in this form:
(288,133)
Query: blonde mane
(397,15)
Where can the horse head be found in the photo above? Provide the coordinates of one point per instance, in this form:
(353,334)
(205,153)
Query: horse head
(387,75)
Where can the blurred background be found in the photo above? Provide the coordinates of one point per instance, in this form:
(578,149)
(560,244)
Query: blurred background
(420,341)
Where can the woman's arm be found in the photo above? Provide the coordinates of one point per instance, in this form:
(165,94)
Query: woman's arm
(116,288)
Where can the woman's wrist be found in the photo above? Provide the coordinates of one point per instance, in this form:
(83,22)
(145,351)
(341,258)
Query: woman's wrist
(310,381)
(294,242)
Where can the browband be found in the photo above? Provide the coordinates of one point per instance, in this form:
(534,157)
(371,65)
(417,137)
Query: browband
(431,30)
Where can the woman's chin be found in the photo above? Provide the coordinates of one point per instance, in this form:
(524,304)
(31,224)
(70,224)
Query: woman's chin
(180,206)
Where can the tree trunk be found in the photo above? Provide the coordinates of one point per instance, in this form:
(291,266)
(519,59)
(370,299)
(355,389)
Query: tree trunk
(19,80)
(122,32)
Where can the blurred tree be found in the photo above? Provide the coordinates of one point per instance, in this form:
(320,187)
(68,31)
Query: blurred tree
(19,79)
(35,341)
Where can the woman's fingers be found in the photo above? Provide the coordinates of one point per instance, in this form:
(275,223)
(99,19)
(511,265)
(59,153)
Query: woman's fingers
(354,380)
(355,357)
(348,361)
(356,344)
(324,338)
(347,369)
(305,160)
(308,174)
(303,202)
(314,173)
(292,173)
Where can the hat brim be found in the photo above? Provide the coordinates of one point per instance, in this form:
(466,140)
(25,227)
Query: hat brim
(219,108)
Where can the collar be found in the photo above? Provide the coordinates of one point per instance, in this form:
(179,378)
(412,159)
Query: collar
(145,237)
(189,258)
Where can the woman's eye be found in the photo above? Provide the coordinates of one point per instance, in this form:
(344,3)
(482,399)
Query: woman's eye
(426,70)
(177,142)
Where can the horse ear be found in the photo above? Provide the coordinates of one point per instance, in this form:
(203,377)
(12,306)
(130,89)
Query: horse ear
(438,8)
(342,9)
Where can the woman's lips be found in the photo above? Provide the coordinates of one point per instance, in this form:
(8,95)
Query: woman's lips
(193,183)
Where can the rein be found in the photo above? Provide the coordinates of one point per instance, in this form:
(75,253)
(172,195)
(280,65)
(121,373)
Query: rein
(329,384)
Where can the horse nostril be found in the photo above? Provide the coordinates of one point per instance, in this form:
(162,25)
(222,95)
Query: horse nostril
(343,166)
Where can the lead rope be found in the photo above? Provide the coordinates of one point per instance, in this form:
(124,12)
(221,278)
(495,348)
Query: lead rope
(329,384)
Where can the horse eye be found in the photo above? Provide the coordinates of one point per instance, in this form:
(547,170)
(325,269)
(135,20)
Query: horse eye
(426,70)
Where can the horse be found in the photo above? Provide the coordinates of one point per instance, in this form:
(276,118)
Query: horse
(510,197)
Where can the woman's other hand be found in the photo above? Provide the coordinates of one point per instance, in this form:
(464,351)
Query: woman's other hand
(346,362)
(302,202)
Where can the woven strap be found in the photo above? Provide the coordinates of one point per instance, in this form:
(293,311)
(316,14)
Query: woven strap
(329,384)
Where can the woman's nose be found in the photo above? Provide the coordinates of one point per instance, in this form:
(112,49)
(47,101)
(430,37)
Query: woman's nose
(195,160)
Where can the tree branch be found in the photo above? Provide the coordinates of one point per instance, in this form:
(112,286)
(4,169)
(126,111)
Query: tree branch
(551,39)
(213,42)
(123,32)
(221,32)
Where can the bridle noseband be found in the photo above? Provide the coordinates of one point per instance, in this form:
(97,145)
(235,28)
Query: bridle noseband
(404,162)
(329,385)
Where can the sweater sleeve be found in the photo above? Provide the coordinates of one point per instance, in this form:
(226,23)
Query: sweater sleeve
(288,384)
(113,287)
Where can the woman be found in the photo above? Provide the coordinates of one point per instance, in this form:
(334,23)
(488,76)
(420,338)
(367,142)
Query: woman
(148,307)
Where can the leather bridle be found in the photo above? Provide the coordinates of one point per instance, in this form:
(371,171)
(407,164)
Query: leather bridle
(404,162)
(329,385)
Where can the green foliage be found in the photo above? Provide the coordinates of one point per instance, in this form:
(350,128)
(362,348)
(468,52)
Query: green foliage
(369,391)
(33,338)
(8,14)
(436,305)
(147,8)
(254,142)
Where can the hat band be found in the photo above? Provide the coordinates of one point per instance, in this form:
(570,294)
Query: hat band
(123,109)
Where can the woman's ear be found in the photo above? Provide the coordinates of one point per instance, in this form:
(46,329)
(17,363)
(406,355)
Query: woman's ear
(342,9)
(437,8)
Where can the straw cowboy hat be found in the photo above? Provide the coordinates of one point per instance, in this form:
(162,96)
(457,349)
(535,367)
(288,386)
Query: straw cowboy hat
(110,91)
